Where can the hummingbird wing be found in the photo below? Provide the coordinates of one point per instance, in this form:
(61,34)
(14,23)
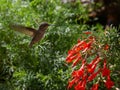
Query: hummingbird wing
(26,30)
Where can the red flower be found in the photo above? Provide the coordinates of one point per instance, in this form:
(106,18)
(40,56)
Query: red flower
(87,46)
(91,67)
(70,59)
(72,54)
(84,83)
(106,47)
(87,32)
(105,71)
(92,76)
(95,87)
(104,63)
(109,83)
(81,43)
(81,85)
(70,83)
(77,60)
(84,77)
(79,46)
(91,38)
(78,73)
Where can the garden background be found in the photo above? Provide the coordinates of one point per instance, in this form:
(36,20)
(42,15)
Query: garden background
(43,66)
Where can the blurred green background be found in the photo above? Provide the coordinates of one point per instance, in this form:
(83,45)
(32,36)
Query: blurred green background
(43,66)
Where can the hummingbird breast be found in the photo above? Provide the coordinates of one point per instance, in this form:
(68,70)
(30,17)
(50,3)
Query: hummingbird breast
(38,36)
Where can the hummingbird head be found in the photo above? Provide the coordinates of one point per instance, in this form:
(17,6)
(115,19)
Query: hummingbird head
(44,26)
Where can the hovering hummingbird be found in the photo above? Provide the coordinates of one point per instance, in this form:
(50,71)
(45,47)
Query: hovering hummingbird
(36,34)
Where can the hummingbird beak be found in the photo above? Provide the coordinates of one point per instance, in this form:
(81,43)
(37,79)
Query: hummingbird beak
(52,25)
(55,25)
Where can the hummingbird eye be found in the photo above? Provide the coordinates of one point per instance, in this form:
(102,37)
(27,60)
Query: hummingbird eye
(43,26)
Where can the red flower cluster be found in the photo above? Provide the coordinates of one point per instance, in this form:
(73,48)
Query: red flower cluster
(106,73)
(88,71)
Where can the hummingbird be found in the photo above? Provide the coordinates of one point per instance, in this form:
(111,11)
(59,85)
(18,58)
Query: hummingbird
(35,34)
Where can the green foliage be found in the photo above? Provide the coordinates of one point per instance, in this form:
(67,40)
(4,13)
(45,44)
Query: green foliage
(43,66)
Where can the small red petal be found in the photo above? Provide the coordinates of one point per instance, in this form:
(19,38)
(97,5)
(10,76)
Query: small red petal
(94,61)
(84,83)
(92,76)
(76,61)
(84,77)
(95,87)
(81,43)
(92,69)
(70,51)
(78,73)
(85,50)
(87,32)
(87,46)
(105,72)
(106,47)
(105,64)
(109,83)
(70,83)
(91,37)
(79,86)
(70,58)
(79,40)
